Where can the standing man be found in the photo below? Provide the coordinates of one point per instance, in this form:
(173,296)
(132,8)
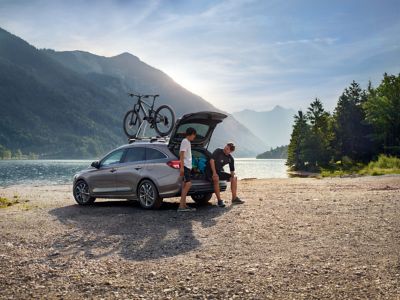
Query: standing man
(185,157)
(219,159)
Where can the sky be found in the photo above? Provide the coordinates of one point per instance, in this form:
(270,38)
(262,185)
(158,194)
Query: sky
(236,54)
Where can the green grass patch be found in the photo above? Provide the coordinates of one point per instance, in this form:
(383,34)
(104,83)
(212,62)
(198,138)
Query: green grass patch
(384,165)
(4,202)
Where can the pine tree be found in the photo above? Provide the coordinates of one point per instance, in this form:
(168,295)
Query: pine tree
(320,135)
(297,151)
(351,131)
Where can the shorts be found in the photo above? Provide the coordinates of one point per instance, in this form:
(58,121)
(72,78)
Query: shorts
(222,175)
(187,174)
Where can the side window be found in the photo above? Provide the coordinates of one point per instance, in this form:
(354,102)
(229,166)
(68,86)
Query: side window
(154,154)
(135,154)
(113,158)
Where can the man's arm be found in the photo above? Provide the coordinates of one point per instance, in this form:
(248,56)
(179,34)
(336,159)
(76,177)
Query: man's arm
(212,165)
(232,166)
(181,158)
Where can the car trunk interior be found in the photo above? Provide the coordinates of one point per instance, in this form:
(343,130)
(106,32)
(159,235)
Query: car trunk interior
(200,160)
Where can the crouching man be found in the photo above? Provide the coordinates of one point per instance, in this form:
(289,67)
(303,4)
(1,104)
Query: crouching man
(219,159)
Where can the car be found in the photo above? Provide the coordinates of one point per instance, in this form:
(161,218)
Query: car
(148,170)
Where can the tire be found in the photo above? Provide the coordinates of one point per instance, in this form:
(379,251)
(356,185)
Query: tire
(81,193)
(132,122)
(148,195)
(201,199)
(164,120)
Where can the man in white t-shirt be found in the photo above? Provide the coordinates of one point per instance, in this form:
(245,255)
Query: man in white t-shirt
(185,156)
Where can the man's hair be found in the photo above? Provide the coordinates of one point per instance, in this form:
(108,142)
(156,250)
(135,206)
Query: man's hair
(190,131)
(231,146)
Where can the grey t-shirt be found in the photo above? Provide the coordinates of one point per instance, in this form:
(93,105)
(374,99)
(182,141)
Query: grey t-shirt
(221,159)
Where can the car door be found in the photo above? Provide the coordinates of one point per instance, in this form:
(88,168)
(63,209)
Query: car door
(130,170)
(102,180)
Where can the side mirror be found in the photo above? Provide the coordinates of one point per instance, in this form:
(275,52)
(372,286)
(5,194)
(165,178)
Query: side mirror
(95,164)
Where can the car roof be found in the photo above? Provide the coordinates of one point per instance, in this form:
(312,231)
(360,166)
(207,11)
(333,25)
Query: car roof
(143,143)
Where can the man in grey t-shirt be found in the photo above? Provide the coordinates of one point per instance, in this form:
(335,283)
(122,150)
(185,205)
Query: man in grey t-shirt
(219,159)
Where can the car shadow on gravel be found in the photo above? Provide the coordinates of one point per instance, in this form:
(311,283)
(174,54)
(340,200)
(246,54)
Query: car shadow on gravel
(125,229)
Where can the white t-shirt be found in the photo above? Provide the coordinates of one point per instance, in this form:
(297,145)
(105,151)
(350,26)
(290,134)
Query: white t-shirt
(186,147)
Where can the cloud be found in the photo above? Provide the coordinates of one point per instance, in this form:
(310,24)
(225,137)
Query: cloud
(237,54)
(327,41)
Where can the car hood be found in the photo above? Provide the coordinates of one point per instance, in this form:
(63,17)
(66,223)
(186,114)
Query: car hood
(204,122)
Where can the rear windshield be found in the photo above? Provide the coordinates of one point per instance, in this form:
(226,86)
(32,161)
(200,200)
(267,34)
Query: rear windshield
(201,130)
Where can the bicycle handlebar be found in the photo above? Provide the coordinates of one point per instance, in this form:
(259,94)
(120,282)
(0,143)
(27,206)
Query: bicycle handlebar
(143,96)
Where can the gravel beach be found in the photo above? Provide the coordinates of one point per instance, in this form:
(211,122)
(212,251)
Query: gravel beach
(296,238)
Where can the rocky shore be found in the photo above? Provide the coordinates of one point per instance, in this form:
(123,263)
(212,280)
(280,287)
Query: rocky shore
(297,238)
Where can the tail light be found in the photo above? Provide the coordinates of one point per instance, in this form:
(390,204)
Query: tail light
(175,164)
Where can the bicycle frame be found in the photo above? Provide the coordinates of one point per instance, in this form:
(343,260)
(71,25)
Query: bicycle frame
(161,119)
(141,105)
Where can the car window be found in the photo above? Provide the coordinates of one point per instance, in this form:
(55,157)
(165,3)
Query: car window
(113,158)
(135,154)
(154,154)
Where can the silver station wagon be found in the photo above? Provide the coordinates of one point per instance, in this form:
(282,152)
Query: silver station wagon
(148,170)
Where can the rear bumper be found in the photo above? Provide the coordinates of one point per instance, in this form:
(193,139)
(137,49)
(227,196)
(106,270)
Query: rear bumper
(198,187)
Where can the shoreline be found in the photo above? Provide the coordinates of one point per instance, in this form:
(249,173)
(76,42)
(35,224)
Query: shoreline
(296,174)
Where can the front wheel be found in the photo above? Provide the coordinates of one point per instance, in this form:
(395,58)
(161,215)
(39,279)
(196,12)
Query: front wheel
(132,122)
(81,193)
(164,120)
(148,195)
(202,199)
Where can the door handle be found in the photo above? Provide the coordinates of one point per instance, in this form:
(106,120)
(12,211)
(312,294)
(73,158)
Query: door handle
(138,168)
(113,170)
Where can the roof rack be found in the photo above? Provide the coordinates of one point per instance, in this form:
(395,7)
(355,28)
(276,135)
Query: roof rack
(147,139)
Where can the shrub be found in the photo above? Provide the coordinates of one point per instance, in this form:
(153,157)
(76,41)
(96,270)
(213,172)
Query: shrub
(385,162)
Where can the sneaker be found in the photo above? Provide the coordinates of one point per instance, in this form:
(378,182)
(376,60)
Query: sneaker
(185,209)
(221,203)
(237,200)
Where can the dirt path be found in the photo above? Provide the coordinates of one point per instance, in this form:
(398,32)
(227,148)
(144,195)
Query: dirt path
(294,238)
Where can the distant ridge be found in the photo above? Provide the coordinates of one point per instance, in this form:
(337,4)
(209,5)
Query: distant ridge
(272,127)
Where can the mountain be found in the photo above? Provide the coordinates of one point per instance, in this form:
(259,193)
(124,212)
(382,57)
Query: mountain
(71,104)
(274,127)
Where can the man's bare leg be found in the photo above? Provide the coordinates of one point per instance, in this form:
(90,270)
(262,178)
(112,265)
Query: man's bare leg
(234,187)
(216,187)
(185,190)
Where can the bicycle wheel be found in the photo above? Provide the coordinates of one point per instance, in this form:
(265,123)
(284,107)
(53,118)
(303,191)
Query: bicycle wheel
(164,120)
(132,122)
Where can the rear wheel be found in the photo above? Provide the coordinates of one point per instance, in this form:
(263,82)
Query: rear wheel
(164,120)
(202,199)
(132,122)
(148,195)
(81,193)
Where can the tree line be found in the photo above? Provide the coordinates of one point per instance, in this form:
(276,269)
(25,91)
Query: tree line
(279,152)
(364,124)
(8,154)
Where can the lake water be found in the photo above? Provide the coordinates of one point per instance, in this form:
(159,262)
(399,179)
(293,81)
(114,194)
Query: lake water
(41,172)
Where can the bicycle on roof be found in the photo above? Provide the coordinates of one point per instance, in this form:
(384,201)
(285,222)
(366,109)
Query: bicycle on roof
(162,119)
